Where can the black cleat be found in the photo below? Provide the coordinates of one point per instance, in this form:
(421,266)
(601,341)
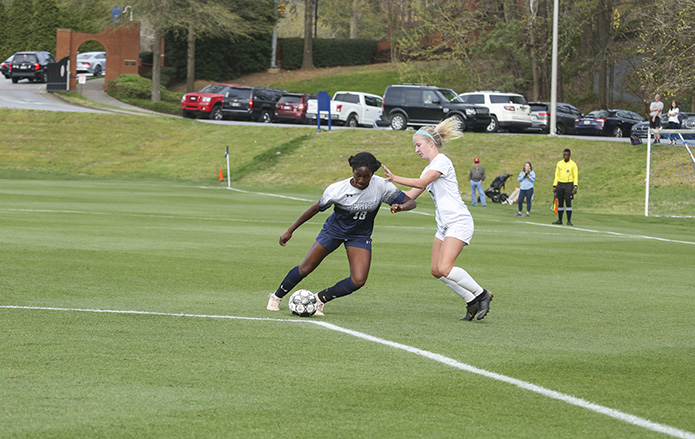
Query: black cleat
(569,223)
(471,311)
(484,304)
(558,222)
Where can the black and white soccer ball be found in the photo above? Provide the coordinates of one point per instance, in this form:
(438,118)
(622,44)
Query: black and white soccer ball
(303,303)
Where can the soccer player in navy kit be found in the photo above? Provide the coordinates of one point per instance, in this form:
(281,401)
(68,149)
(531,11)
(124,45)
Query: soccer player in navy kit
(454,221)
(356,202)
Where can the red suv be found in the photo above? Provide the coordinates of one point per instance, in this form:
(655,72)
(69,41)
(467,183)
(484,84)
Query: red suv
(292,107)
(207,102)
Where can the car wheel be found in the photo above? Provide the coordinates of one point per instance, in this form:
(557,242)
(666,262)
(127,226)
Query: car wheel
(265,117)
(14,80)
(352,121)
(216,113)
(494,126)
(617,132)
(559,129)
(460,122)
(398,121)
(97,70)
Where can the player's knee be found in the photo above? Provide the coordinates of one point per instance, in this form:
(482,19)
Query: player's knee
(359,281)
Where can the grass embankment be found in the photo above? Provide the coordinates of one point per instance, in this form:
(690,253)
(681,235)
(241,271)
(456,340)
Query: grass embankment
(93,145)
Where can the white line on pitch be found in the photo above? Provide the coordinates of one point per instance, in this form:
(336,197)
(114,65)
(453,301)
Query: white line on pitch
(622,235)
(579,402)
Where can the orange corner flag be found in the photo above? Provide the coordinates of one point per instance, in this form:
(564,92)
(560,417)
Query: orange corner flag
(221,175)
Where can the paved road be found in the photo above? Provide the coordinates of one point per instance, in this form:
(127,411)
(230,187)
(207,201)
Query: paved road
(33,96)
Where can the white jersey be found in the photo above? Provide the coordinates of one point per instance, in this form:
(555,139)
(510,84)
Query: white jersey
(449,206)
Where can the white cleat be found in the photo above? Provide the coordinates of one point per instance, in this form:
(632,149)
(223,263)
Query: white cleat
(319,306)
(273,302)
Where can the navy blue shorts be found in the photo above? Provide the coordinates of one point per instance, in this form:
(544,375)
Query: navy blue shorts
(331,243)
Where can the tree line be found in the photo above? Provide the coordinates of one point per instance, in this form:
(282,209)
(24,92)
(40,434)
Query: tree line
(465,44)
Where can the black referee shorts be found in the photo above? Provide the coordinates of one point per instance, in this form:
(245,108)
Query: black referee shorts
(563,191)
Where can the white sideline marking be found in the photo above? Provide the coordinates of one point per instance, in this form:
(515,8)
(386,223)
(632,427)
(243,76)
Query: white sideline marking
(579,402)
(622,235)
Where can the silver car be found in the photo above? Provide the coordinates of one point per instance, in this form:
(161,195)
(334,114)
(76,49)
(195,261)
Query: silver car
(92,62)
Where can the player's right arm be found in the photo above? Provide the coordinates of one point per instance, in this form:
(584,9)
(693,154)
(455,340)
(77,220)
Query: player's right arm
(304,217)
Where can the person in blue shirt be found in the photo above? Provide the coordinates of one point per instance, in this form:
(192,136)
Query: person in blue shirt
(355,201)
(527,178)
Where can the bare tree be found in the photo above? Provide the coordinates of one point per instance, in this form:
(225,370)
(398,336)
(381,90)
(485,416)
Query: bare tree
(308,59)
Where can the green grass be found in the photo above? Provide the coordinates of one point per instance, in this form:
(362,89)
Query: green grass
(368,79)
(598,312)
(611,174)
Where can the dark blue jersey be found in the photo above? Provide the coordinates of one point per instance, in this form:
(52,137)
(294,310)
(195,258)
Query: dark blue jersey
(355,209)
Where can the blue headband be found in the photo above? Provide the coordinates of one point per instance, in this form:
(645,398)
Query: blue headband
(421,131)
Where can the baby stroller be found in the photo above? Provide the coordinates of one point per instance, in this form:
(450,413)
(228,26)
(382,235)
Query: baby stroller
(493,192)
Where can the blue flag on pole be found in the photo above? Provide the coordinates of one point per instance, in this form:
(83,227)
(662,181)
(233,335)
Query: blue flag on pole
(226,154)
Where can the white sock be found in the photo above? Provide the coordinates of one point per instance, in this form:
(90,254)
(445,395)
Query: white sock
(465,281)
(458,289)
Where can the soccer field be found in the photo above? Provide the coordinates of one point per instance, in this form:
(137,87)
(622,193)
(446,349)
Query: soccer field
(137,309)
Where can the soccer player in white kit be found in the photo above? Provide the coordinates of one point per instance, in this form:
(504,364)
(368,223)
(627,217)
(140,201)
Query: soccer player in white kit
(356,202)
(454,221)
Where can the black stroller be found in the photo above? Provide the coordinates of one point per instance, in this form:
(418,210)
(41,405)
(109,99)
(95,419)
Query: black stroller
(494,191)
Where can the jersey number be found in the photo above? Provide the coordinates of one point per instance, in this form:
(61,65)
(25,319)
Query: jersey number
(360,215)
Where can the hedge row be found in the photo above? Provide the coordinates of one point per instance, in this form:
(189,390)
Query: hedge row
(326,52)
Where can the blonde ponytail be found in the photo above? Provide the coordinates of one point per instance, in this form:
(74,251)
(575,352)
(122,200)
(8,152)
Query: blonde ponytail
(444,131)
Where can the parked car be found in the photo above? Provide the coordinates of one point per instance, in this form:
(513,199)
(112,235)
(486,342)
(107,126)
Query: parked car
(251,103)
(508,111)
(640,129)
(5,67)
(292,107)
(350,108)
(416,105)
(616,123)
(30,65)
(564,120)
(91,62)
(207,102)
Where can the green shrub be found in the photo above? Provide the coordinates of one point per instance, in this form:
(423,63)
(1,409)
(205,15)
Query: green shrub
(327,52)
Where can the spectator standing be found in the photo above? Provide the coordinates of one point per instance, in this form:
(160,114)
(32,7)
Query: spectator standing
(565,185)
(476,177)
(655,117)
(673,121)
(527,178)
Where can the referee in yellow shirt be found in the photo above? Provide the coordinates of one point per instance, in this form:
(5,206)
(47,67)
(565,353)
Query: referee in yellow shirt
(565,186)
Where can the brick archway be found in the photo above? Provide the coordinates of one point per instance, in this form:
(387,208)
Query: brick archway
(121,43)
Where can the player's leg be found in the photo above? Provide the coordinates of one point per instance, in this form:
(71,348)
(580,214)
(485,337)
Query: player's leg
(359,257)
(317,253)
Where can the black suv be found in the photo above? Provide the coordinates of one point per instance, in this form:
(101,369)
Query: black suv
(30,65)
(415,105)
(251,103)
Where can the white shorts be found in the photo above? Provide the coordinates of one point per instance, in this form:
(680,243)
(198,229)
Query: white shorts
(461,230)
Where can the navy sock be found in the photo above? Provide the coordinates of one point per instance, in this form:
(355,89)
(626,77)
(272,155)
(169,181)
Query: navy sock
(342,288)
(290,281)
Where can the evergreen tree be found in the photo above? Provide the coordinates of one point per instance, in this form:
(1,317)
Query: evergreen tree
(4,50)
(45,22)
(19,23)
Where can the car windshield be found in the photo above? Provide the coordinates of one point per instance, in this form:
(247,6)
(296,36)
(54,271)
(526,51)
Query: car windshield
(84,55)
(539,107)
(450,95)
(597,113)
(24,57)
(214,88)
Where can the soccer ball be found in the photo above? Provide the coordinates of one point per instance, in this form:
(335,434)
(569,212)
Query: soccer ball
(303,303)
